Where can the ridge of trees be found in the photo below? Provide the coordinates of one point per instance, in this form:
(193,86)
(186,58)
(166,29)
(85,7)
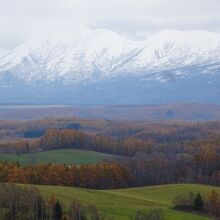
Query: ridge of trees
(163,131)
(70,138)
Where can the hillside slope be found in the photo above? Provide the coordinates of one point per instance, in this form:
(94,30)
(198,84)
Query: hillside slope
(66,156)
(121,204)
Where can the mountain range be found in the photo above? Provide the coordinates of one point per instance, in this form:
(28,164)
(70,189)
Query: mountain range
(97,66)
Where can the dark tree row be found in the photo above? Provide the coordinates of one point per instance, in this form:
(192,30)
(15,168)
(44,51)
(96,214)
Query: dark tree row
(208,204)
(158,168)
(26,203)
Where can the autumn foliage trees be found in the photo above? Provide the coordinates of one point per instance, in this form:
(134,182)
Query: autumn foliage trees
(68,138)
(118,138)
(153,169)
(97,176)
(18,147)
(150,153)
(142,163)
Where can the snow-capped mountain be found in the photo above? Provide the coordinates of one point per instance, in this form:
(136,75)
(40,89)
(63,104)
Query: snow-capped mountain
(96,61)
(173,49)
(83,55)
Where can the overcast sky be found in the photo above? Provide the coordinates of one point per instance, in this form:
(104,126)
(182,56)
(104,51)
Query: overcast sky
(135,19)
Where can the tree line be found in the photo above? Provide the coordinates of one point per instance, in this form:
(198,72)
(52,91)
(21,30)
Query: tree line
(96,176)
(70,138)
(141,170)
(173,134)
(158,168)
(27,203)
(207,204)
(147,162)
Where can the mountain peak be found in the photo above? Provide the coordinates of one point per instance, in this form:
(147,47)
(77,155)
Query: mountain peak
(99,66)
(86,54)
(197,38)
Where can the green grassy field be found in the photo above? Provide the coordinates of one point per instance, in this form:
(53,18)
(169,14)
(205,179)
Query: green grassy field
(121,204)
(67,156)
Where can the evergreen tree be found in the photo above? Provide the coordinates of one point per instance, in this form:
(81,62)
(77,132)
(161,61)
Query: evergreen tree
(198,203)
(57,212)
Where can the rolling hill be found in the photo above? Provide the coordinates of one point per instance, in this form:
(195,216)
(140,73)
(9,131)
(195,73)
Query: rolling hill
(67,156)
(121,204)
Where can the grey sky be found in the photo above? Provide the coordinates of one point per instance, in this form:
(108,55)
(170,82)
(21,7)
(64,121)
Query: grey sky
(136,19)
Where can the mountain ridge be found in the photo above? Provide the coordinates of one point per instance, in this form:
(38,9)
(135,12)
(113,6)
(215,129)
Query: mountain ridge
(83,54)
(89,60)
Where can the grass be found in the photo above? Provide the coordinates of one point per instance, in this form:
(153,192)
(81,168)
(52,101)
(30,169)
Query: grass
(122,204)
(67,156)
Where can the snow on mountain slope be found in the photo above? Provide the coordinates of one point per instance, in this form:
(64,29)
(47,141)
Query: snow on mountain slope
(174,49)
(79,56)
(94,54)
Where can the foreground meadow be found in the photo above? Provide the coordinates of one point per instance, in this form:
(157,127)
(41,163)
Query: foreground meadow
(121,204)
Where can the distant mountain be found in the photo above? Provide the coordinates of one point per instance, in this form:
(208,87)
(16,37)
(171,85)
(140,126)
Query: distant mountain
(96,66)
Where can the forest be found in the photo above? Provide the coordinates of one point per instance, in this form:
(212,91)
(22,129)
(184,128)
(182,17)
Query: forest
(149,153)
(143,154)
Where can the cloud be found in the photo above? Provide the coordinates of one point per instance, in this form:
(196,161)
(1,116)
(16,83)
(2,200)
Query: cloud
(137,19)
